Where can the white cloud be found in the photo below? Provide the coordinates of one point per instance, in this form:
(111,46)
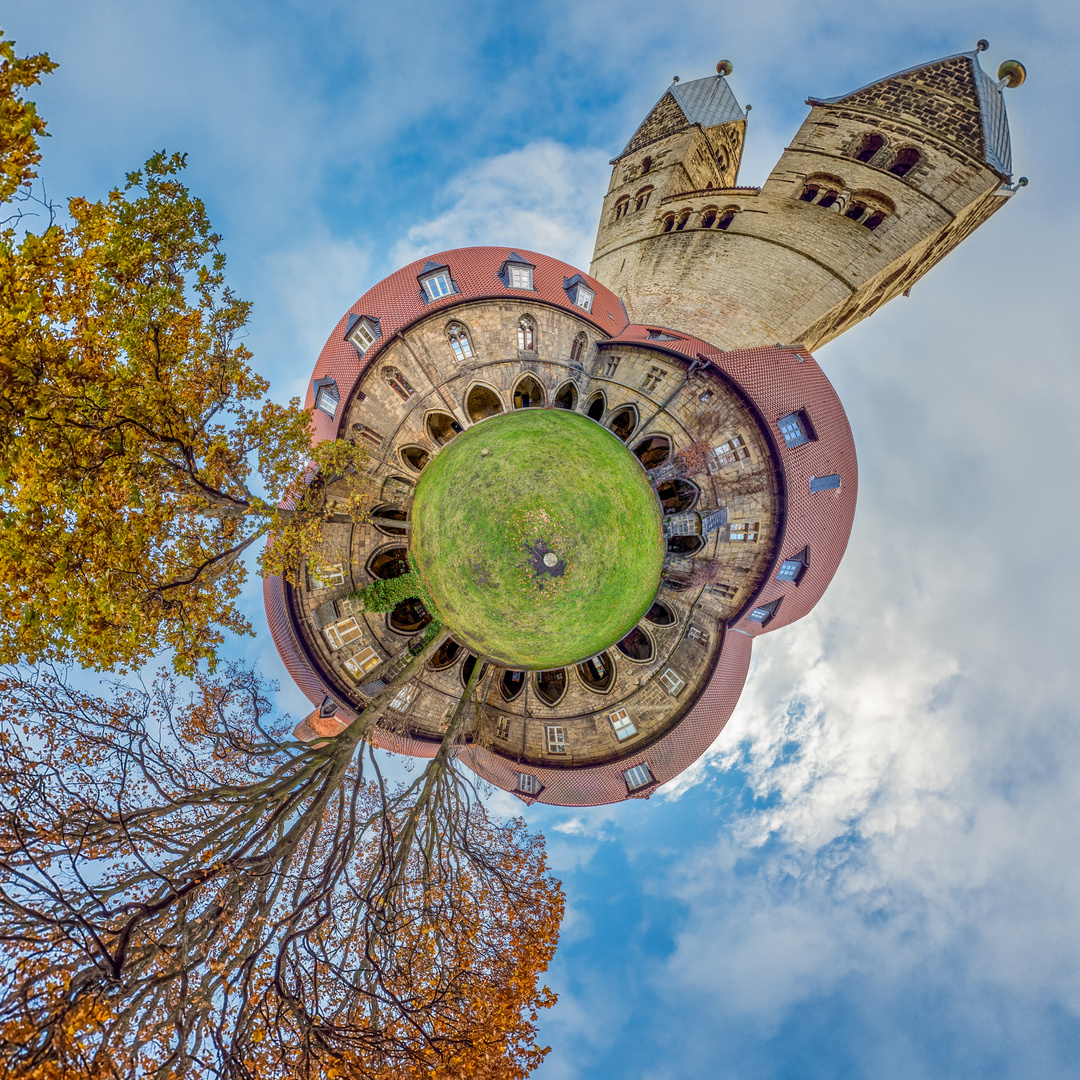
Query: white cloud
(544,197)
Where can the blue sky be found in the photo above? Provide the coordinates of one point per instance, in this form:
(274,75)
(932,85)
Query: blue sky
(873,873)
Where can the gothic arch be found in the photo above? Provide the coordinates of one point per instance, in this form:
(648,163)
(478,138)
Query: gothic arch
(441,427)
(566,397)
(527,337)
(482,401)
(637,646)
(528,393)
(597,406)
(624,421)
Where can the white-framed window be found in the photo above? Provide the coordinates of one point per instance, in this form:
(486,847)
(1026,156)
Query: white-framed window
(638,777)
(583,297)
(622,725)
(731,451)
(673,682)
(437,285)
(521,277)
(342,632)
(460,344)
(556,739)
(327,399)
(364,661)
(403,697)
(502,728)
(326,577)
(528,784)
(364,334)
(744,531)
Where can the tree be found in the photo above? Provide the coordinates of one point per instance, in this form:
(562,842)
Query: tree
(184,887)
(139,456)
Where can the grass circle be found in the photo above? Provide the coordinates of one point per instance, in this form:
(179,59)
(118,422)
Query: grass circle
(493,507)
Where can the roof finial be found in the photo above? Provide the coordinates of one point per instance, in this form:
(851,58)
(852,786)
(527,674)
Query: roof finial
(725,67)
(982,45)
(674,78)
(1012,73)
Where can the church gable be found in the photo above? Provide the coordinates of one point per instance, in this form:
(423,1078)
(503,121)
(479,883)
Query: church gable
(666,118)
(941,98)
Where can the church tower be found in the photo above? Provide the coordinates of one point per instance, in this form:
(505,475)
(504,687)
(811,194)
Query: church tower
(874,189)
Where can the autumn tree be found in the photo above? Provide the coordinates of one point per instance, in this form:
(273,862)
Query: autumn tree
(214,896)
(139,454)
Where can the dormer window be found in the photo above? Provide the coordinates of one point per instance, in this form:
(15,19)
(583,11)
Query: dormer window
(763,613)
(579,292)
(793,569)
(517,272)
(436,282)
(520,276)
(327,397)
(362,331)
(796,429)
(640,776)
(528,784)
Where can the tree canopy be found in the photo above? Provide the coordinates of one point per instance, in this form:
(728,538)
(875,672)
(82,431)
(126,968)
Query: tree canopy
(139,453)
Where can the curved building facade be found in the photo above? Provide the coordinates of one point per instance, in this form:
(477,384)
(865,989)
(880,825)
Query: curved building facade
(747,449)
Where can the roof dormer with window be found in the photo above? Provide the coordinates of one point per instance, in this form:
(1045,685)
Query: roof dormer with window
(581,295)
(517,272)
(362,331)
(436,282)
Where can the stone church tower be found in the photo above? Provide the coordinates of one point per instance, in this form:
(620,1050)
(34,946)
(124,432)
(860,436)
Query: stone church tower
(875,188)
(680,369)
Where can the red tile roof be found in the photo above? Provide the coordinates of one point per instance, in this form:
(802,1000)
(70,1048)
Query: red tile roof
(397,302)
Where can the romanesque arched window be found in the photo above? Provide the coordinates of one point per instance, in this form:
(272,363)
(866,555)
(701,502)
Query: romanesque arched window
(526,333)
(906,160)
(669,223)
(829,199)
(684,217)
(621,207)
(809,193)
(869,147)
(398,383)
(855,212)
(708,218)
(458,337)
(578,348)
(726,218)
(641,199)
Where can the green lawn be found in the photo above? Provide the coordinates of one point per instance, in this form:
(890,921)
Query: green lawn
(553,481)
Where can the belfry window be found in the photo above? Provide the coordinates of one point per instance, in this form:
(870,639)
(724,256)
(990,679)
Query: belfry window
(726,218)
(669,223)
(641,200)
(460,344)
(621,207)
(906,160)
(869,147)
(684,217)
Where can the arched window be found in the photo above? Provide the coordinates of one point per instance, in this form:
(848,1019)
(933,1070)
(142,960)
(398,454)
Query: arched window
(596,407)
(905,161)
(641,199)
(445,656)
(856,212)
(458,337)
(578,348)
(653,451)
(646,165)
(726,218)
(669,223)
(409,616)
(684,217)
(398,383)
(442,427)
(659,614)
(511,684)
(597,674)
(874,220)
(389,563)
(708,218)
(636,646)
(550,686)
(869,147)
(809,193)
(621,207)
(829,199)
(526,334)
